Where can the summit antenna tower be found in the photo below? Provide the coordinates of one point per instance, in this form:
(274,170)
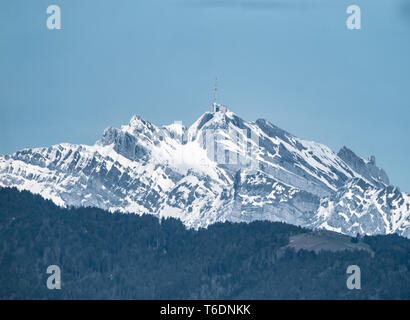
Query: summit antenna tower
(216,90)
(216,107)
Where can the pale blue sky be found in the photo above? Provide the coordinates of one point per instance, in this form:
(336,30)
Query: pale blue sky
(291,62)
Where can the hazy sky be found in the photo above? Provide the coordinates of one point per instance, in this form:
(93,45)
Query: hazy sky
(292,62)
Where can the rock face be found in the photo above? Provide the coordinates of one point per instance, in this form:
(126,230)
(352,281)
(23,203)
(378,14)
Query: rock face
(221,168)
(366,168)
(359,207)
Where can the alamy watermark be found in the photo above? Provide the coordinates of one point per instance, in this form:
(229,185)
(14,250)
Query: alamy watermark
(54,19)
(354,280)
(54,280)
(353,22)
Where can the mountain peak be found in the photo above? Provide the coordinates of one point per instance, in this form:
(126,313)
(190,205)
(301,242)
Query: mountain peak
(138,124)
(366,168)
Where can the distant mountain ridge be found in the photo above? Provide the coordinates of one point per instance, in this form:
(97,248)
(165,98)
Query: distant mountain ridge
(221,168)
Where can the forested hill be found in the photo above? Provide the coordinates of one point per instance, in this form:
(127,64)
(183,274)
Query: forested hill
(126,256)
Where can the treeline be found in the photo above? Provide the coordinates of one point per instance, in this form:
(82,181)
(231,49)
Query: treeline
(125,256)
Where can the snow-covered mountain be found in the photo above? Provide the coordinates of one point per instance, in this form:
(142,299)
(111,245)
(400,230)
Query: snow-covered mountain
(221,168)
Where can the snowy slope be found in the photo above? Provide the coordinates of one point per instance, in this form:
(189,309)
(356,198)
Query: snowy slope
(221,168)
(359,207)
